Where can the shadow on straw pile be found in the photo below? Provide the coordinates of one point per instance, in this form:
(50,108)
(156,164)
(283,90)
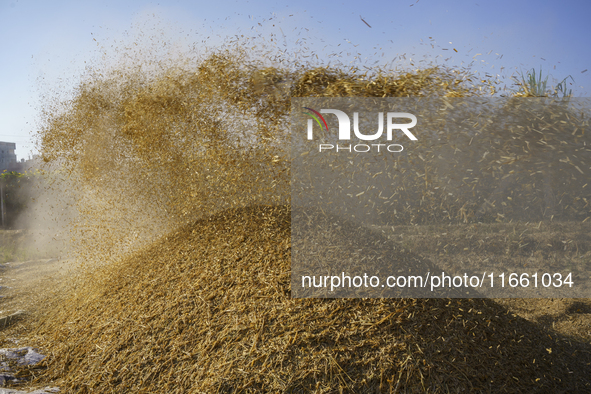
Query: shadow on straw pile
(208,309)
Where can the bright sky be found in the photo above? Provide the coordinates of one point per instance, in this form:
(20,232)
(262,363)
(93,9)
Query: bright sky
(44,44)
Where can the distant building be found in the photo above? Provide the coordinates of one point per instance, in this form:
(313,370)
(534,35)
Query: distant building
(8,160)
(7,156)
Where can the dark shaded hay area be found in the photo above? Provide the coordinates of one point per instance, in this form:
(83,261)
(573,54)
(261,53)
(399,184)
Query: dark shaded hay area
(208,309)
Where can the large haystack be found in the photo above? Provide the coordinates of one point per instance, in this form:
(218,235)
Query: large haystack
(208,309)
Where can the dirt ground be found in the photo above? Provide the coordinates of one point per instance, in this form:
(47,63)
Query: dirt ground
(25,285)
(570,317)
(27,290)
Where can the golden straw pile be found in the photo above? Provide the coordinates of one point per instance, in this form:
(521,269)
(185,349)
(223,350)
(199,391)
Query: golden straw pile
(208,309)
(183,184)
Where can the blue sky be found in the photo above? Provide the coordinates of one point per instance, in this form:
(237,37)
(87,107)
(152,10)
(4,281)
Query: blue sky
(44,44)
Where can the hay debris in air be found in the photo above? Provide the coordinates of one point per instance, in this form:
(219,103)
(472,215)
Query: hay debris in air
(199,154)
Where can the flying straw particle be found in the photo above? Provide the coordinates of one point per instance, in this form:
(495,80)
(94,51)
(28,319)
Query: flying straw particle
(363,20)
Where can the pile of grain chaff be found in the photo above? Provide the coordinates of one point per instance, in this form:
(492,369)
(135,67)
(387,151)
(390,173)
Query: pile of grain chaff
(208,309)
